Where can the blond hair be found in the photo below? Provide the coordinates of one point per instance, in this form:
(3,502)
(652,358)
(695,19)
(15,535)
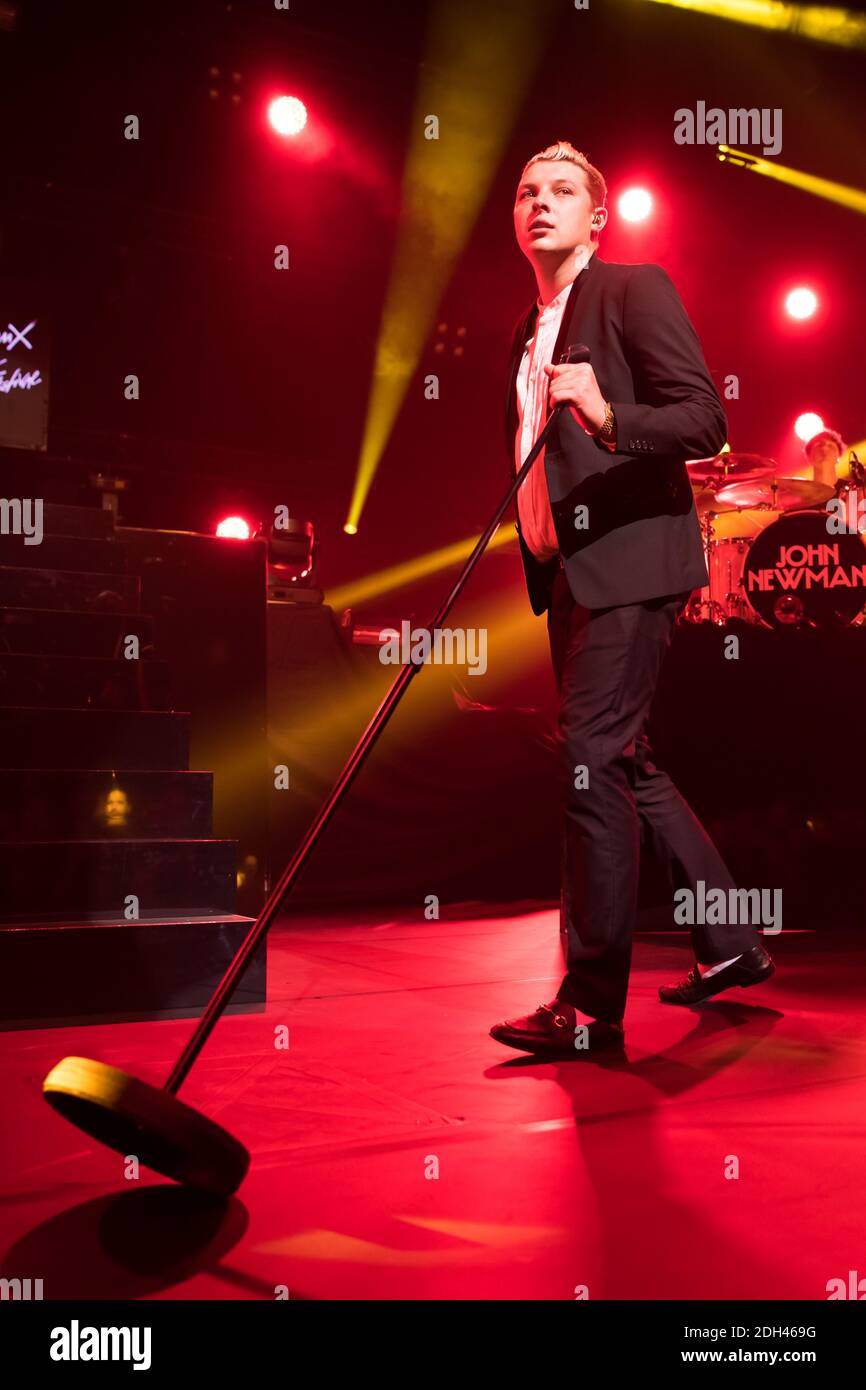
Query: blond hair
(563,149)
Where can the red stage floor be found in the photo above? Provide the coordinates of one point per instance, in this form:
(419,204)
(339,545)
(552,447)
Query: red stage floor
(606,1174)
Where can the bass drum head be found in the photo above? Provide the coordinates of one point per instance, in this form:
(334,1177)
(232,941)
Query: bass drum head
(798,574)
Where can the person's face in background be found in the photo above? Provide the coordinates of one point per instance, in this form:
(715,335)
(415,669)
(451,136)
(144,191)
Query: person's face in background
(823,458)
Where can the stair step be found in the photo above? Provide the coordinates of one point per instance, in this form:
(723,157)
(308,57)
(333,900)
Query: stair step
(69,590)
(44,632)
(80,553)
(65,519)
(51,880)
(72,972)
(79,804)
(93,738)
(78,682)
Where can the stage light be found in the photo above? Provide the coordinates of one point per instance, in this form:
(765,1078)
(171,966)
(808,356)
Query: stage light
(350,529)
(807,425)
(488,68)
(234,528)
(635,205)
(287,115)
(821,23)
(842,193)
(292,553)
(801,303)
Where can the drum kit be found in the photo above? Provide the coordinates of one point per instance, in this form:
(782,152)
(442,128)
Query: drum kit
(776,554)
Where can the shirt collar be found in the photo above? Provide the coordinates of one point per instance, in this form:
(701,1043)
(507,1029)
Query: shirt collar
(582,257)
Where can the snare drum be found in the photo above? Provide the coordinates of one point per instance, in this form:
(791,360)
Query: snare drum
(726,560)
(727,538)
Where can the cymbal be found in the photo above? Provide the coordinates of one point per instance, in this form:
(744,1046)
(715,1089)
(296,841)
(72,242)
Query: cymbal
(782,494)
(707,501)
(730,466)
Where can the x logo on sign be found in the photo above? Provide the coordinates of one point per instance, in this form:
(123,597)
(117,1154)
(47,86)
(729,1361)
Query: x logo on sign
(21,335)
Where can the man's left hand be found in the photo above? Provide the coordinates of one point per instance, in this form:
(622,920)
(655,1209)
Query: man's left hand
(575,384)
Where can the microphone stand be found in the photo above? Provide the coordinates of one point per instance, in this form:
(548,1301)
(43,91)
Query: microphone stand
(223,992)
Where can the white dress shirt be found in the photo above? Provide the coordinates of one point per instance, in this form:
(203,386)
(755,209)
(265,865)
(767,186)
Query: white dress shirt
(533,500)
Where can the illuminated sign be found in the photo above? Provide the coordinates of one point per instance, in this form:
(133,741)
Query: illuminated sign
(24,362)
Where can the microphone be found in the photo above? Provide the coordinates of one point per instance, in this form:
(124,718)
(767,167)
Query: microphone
(575,352)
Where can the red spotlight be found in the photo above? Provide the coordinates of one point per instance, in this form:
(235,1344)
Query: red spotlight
(635,204)
(287,115)
(234,528)
(801,303)
(807,425)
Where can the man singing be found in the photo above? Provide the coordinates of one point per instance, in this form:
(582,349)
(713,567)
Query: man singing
(611,550)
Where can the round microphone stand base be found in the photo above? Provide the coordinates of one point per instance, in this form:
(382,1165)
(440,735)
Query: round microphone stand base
(147,1123)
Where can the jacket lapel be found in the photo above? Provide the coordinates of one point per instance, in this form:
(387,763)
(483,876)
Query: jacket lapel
(525,330)
(569,329)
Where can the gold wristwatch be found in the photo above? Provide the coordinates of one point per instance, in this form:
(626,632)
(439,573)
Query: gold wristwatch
(607,430)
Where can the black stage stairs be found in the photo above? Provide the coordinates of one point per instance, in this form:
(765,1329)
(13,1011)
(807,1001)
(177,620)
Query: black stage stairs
(116,902)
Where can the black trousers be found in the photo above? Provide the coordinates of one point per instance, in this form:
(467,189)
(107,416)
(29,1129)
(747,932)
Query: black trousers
(607,663)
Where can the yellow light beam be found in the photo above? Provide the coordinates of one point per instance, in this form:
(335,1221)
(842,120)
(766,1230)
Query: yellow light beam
(341,1246)
(853,198)
(516,639)
(398,576)
(819,23)
(478,63)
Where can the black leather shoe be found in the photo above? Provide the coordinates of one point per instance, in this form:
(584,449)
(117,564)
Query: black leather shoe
(555,1030)
(752,968)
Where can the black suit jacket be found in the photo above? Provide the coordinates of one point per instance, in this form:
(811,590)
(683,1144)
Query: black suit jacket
(638,537)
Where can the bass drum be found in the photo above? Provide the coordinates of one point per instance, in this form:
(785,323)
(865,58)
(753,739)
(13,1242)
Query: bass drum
(798,574)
